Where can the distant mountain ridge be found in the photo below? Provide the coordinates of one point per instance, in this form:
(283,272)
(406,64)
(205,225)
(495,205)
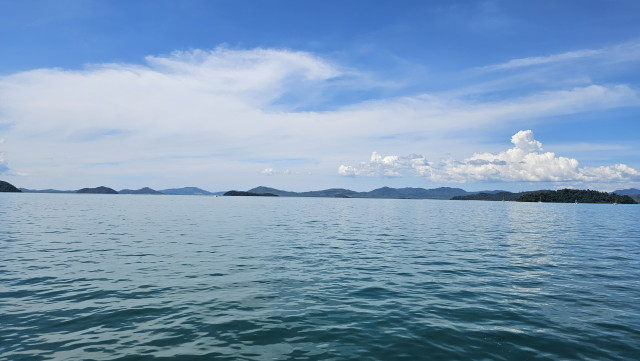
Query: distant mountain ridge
(45,191)
(631,192)
(145,190)
(186,191)
(627,192)
(384,192)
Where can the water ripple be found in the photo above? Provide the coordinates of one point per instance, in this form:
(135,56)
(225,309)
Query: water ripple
(200,278)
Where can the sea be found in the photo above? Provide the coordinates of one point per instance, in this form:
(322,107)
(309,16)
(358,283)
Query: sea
(142,277)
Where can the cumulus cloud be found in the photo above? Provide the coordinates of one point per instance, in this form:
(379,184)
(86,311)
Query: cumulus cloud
(525,161)
(387,166)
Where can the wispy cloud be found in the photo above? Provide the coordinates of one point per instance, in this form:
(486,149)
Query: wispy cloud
(433,113)
(526,161)
(537,60)
(621,52)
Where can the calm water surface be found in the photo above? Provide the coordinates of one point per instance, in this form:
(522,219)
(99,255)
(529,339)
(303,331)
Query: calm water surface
(132,277)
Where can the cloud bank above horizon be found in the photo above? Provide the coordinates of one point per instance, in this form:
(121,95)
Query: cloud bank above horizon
(526,161)
(238,113)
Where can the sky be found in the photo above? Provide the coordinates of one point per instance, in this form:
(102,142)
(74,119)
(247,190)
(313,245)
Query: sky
(308,95)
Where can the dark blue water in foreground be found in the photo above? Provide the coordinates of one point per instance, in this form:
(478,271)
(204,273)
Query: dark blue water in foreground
(132,277)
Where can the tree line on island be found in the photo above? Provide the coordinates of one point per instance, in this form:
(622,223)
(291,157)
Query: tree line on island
(625,196)
(550,196)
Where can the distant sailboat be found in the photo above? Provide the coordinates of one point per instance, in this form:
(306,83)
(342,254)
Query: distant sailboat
(575,202)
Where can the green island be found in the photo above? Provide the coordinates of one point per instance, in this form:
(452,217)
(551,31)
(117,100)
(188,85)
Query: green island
(482,196)
(575,195)
(548,196)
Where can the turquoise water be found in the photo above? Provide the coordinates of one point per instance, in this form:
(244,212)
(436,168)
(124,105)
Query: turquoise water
(130,277)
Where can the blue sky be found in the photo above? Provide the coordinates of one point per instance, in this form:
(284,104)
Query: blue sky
(307,95)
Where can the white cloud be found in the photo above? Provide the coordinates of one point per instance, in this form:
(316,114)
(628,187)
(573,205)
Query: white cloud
(432,113)
(388,166)
(618,53)
(268,171)
(204,89)
(202,114)
(273,171)
(526,161)
(537,60)
(617,172)
(210,106)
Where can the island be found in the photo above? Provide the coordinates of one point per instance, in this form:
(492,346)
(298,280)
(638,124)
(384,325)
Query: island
(248,194)
(8,187)
(145,190)
(548,196)
(575,196)
(483,196)
(97,190)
